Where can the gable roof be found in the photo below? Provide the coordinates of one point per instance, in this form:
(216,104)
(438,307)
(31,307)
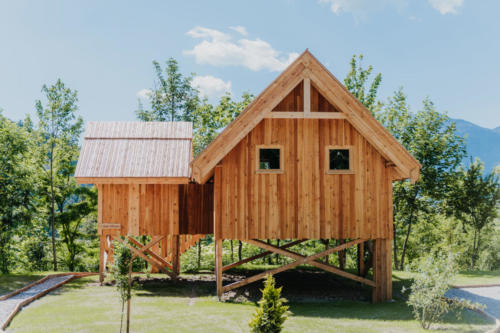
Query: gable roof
(145,151)
(307,66)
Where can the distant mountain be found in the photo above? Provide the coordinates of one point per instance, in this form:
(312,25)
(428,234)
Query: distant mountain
(481,142)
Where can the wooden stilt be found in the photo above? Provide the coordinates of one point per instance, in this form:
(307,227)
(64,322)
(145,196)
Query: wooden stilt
(382,270)
(218,267)
(326,242)
(341,255)
(102,257)
(175,254)
(361,258)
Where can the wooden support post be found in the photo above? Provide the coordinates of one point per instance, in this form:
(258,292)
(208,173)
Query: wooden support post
(382,270)
(102,257)
(342,255)
(175,255)
(326,242)
(361,258)
(218,267)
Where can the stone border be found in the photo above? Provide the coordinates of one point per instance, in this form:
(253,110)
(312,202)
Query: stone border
(4,325)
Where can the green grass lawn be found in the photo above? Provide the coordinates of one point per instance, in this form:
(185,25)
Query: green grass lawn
(11,282)
(462,278)
(84,306)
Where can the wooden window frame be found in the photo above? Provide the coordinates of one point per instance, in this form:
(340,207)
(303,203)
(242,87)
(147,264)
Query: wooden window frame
(257,159)
(350,171)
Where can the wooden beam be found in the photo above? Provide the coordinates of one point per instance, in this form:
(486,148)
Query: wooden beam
(260,255)
(145,257)
(102,258)
(218,267)
(303,115)
(311,259)
(175,255)
(132,180)
(307,96)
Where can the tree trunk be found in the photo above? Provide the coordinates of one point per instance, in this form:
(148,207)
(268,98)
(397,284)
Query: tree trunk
(240,247)
(199,254)
(403,253)
(52,208)
(129,295)
(395,247)
(269,257)
(277,255)
(232,251)
(474,249)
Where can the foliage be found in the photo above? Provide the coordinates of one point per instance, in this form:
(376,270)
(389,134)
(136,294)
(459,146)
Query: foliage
(356,82)
(272,312)
(58,133)
(172,98)
(427,292)
(121,274)
(209,120)
(15,185)
(432,139)
(475,201)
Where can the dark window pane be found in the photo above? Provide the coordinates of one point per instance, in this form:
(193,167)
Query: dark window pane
(269,159)
(339,159)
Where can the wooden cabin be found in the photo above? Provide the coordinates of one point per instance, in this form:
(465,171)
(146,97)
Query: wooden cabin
(305,160)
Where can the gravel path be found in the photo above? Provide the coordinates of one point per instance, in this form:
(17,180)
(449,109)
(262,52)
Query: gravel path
(489,296)
(8,305)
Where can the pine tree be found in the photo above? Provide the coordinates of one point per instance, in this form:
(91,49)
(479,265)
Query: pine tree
(272,312)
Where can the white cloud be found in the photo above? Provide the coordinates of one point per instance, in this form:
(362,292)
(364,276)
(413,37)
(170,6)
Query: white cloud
(210,86)
(143,93)
(242,30)
(360,6)
(446,6)
(218,49)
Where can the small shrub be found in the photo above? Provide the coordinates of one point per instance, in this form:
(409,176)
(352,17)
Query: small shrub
(272,312)
(427,293)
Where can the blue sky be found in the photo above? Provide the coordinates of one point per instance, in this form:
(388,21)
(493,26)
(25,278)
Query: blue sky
(445,49)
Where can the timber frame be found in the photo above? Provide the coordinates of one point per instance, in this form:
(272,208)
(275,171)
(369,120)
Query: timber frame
(382,266)
(149,185)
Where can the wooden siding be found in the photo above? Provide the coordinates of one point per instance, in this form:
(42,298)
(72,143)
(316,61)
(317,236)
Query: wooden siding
(294,101)
(319,103)
(304,201)
(157,209)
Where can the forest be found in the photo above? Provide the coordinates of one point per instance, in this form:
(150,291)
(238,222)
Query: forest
(49,222)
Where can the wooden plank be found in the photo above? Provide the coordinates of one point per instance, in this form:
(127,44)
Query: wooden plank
(132,180)
(260,255)
(302,115)
(307,96)
(218,267)
(133,210)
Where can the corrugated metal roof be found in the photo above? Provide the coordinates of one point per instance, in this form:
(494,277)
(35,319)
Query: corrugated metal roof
(135,149)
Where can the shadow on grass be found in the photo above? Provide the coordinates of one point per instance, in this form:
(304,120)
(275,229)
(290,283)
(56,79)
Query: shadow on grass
(11,282)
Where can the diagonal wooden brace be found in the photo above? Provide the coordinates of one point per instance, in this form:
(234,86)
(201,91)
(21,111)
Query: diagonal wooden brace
(300,259)
(146,248)
(260,255)
(145,257)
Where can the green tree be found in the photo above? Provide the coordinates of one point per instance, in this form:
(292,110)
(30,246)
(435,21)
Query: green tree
(72,215)
(356,82)
(122,274)
(172,98)
(15,186)
(209,120)
(58,133)
(427,292)
(432,139)
(272,311)
(475,201)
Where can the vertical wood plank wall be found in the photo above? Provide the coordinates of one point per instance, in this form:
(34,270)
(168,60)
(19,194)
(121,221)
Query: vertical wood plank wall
(158,209)
(303,201)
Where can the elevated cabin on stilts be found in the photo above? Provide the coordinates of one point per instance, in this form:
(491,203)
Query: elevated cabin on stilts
(305,160)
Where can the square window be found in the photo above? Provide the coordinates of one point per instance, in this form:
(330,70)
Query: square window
(339,160)
(269,159)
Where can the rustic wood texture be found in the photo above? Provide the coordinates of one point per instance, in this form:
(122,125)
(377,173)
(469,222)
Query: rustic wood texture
(294,101)
(135,149)
(156,209)
(382,270)
(307,67)
(304,201)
